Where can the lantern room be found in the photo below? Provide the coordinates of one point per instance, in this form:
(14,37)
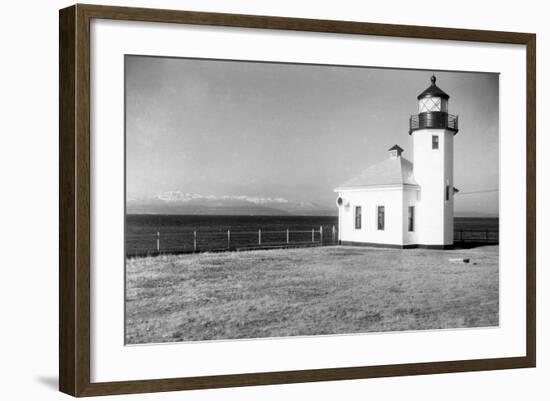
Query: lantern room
(433,110)
(433,99)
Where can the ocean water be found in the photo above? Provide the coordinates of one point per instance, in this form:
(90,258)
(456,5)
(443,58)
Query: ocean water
(208,232)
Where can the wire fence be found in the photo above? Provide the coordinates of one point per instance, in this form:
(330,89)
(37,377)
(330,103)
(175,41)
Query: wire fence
(228,240)
(478,236)
(234,240)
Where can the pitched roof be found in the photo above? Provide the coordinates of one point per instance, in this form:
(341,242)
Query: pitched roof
(396,147)
(392,171)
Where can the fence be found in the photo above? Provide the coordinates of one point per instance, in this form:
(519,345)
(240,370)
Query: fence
(229,240)
(478,236)
(234,240)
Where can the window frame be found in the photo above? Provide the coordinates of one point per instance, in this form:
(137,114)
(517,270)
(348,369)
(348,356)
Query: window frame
(383,208)
(357,218)
(411,219)
(435,141)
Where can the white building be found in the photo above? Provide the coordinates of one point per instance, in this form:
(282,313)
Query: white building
(398,204)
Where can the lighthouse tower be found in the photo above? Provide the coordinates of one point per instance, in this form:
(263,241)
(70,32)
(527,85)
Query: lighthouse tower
(433,130)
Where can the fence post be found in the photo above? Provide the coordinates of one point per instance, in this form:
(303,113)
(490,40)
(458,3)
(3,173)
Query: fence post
(228,239)
(287,236)
(260,236)
(321,234)
(194,241)
(158,242)
(312,235)
(333,234)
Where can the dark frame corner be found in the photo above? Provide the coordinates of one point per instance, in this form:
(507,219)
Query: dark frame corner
(74,199)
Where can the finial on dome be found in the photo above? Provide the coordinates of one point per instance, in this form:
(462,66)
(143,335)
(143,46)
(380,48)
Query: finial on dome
(433,90)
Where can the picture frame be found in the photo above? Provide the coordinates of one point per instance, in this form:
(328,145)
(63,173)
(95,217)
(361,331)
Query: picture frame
(75,199)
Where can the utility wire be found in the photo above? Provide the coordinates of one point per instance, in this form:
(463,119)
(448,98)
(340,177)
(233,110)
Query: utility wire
(477,192)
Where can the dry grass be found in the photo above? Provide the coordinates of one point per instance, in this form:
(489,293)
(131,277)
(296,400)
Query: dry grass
(290,292)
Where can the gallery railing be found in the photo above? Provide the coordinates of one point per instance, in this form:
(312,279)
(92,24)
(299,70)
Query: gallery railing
(433,120)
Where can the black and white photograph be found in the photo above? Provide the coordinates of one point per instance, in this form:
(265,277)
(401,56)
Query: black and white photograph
(275,200)
(272,200)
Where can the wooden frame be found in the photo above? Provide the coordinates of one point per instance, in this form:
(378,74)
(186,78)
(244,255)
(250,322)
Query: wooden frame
(74,202)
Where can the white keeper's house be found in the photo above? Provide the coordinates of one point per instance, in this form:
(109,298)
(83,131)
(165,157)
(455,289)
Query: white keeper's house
(400,204)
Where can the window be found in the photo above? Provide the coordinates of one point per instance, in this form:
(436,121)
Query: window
(432,104)
(357,217)
(447,192)
(429,104)
(435,142)
(411,218)
(381,217)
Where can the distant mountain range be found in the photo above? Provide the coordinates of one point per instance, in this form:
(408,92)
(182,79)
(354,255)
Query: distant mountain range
(176,202)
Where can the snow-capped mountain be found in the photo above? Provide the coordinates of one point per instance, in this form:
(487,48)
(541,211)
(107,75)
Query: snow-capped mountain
(179,202)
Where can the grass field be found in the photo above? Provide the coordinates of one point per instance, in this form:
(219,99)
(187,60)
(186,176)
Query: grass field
(308,291)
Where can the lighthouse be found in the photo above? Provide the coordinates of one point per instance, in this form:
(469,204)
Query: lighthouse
(401,203)
(433,130)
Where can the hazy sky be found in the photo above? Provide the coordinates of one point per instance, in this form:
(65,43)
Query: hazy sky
(293,131)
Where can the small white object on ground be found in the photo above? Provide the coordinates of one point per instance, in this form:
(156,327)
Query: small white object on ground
(459,260)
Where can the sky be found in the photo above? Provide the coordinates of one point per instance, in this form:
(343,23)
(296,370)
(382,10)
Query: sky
(293,131)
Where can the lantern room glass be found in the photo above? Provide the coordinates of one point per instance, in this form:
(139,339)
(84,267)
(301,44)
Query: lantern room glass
(432,104)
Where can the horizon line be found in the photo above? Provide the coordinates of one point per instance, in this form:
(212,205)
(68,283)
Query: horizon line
(463,215)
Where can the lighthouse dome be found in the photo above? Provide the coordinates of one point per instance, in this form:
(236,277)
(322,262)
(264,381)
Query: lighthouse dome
(433,91)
